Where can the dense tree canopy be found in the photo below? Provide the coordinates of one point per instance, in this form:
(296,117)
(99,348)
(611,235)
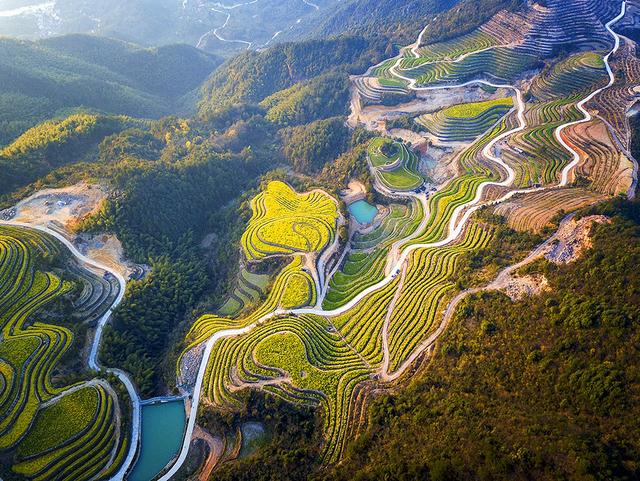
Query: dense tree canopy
(253,76)
(323,96)
(53,144)
(138,338)
(58,76)
(310,147)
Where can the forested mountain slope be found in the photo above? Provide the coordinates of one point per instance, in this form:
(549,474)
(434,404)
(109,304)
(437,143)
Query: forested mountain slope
(168,71)
(230,28)
(46,78)
(401,21)
(253,76)
(219,27)
(545,388)
(366,349)
(371,28)
(54,144)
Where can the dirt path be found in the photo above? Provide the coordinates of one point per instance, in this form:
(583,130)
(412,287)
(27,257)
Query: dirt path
(216,450)
(498,283)
(384,369)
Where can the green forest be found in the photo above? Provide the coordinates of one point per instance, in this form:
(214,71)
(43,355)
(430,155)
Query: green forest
(59,76)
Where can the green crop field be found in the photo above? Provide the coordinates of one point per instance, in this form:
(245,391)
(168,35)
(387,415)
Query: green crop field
(249,289)
(285,222)
(55,435)
(377,158)
(452,49)
(465,122)
(365,263)
(398,172)
(80,407)
(323,360)
(474,140)
(473,109)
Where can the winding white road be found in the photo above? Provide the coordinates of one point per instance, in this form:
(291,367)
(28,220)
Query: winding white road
(225,11)
(215,33)
(456,227)
(95,346)
(28,10)
(311,4)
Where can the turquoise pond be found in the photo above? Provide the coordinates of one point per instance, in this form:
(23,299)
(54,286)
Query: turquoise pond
(363,212)
(163,427)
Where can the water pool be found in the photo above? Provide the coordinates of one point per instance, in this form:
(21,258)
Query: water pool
(363,212)
(162,431)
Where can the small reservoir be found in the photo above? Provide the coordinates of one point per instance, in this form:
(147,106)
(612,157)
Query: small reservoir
(163,426)
(363,212)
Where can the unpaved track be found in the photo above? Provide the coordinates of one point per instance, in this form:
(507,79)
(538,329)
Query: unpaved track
(456,227)
(498,283)
(216,450)
(384,371)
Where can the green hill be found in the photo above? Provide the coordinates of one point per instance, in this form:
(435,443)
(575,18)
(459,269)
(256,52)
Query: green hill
(169,71)
(47,78)
(402,20)
(320,97)
(53,144)
(252,76)
(545,388)
(388,17)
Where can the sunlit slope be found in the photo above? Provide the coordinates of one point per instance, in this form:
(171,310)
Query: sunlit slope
(49,430)
(285,222)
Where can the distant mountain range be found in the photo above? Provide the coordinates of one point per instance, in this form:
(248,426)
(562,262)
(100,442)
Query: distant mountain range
(221,27)
(224,27)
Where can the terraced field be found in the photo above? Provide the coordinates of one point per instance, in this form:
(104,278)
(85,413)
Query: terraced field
(249,289)
(499,64)
(575,74)
(465,122)
(320,359)
(96,296)
(452,49)
(338,320)
(53,432)
(365,263)
(534,212)
(397,171)
(608,169)
(613,104)
(390,288)
(285,222)
(426,287)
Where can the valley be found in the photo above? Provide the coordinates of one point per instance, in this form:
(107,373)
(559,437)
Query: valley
(213,262)
(449,223)
(216,27)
